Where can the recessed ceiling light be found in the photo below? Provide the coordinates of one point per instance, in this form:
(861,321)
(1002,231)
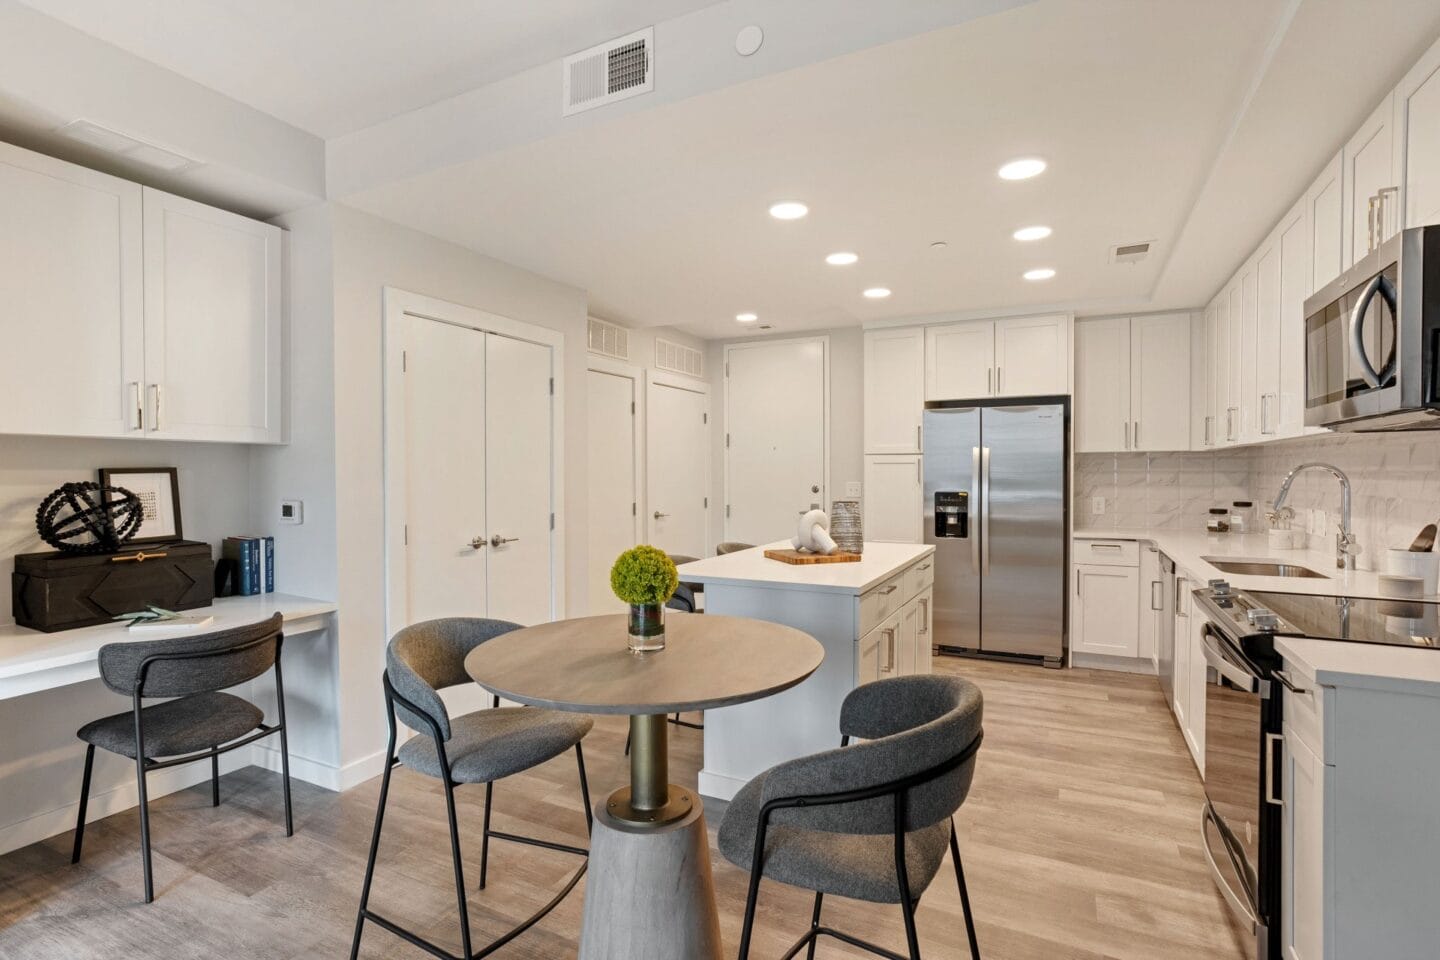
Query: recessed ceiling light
(1032,233)
(1022,169)
(842,259)
(788,210)
(939,246)
(878,293)
(1040,273)
(747,317)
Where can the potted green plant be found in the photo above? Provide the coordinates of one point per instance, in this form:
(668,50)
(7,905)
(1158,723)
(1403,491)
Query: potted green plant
(645,578)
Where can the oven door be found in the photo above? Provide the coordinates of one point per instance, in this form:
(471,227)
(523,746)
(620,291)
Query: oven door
(1235,765)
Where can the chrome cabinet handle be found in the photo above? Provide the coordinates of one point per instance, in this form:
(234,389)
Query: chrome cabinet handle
(497,540)
(919,439)
(662,516)
(478,543)
(1286,682)
(886,591)
(137,405)
(1127,434)
(924,616)
(999,379)
(1370,223)
(923,566)
(1156,604)
(990,380)
(889,635)
(155,406)
(1271,740)
(1077,581)
(1380,218)
(1106,546)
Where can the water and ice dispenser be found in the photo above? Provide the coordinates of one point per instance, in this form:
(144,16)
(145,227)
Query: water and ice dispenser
(952,514)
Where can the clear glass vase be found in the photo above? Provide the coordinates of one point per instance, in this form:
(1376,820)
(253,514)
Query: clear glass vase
(647,627)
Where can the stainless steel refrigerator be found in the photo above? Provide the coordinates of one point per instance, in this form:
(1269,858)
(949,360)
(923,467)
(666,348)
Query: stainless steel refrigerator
(995,509)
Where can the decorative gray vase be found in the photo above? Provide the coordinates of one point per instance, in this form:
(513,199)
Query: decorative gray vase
(846,528)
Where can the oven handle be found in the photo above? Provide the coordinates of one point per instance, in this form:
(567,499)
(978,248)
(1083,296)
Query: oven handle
(1378,284)
(1238,906)
(1227,668)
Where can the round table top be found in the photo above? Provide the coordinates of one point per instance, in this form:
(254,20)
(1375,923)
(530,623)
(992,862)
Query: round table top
(584,665)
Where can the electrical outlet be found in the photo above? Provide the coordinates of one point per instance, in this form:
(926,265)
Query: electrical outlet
(1097,506)
(852,488)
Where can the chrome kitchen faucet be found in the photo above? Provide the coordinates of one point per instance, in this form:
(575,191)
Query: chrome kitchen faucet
(1345,546)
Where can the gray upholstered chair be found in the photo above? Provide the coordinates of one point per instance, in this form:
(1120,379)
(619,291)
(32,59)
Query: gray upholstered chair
(870,821)
(731,546)
(479,747)
(199,722)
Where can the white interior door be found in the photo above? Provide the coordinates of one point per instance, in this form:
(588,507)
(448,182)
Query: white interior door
(776,426)
(677,457)
(445,555)
(519,482)
(614,494)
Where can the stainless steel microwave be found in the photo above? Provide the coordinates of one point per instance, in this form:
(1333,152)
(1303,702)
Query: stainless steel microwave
(1372,340)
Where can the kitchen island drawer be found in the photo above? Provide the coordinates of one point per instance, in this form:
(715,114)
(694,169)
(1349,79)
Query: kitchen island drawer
(919,577)
(880,602)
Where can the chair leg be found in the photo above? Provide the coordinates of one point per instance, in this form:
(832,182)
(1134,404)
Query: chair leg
(459,870)
(912,937)
(214,779)
(749,926)
(814,925)
(84,802)
(144,828)
(964,895)
(285,781)
(585,791)
(485,835)
(374,846)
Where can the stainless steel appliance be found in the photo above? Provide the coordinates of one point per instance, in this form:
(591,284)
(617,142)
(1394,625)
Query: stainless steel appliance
(995,509)
(1372,340)
(1244,714)
(1165,637)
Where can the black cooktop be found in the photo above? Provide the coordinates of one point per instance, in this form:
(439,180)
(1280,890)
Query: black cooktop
(1401,623)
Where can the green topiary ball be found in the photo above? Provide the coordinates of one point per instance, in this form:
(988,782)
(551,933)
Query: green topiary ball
(644,575)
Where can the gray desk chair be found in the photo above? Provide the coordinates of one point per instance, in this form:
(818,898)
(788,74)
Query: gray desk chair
(731,546)
(200,722)
(870,821)
(479,747)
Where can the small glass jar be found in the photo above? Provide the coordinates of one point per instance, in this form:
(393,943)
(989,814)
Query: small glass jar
(1219,520)
(1242,516)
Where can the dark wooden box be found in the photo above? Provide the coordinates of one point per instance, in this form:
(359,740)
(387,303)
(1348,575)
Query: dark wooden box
(60,591)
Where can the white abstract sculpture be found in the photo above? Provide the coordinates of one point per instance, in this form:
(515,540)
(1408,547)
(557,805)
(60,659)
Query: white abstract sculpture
(813,534)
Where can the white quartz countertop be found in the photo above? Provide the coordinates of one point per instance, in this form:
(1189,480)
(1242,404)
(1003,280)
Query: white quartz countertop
(1332,663)
(752,568)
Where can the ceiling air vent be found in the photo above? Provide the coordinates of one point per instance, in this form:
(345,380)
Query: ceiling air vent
(612,71)
(609,339)
(679,358)
(1131,252)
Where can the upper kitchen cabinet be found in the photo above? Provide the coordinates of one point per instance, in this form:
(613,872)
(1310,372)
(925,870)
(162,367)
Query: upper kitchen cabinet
(1417,131)
(981,359)
(894,389)
(1325,209)
(70,266)
(212,323)
(1102,385)
(1132,384)
(1371,189)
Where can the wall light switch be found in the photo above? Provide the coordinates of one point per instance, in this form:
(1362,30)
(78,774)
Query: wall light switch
(1097,506)
(292,511)
(852,488)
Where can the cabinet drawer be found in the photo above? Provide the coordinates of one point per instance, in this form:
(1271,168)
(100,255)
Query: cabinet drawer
(881,602)
(1303,711)
(1120,553)
(919,576)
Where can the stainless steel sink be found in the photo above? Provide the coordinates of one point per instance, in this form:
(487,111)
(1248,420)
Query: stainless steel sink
(1262,568)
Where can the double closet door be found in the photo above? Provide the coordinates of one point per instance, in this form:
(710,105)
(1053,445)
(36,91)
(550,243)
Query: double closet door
(479,477)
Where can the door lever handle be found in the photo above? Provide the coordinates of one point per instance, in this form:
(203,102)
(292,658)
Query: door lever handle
(478,543)
(660,516)
(497,540)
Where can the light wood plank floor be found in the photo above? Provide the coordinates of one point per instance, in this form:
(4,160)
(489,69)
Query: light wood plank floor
(1080,838)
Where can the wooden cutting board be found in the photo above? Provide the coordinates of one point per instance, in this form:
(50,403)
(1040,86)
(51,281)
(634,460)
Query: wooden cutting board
(795,556)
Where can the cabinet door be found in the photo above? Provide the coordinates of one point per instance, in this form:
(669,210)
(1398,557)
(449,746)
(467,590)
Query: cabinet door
(1302,871)
(1371,212)
(1288,409)
(909,638)
(868,656)
(1032,356)
(1247,397)
(1102,385)
(1231,369)
(1196,676)
(1267,336)
(1152,603)
(1160,382)
(960,361)
(1106,610)
(1213,392)
(887,652)
(924,638)
(1180,671)
(1199,381)
(212,323)
(1324,203)
(894,390)
(1417,129)
(70,266)
(892,498)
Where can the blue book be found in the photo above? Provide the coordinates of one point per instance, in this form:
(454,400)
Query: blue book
(253,581)
(269,564)
(242,565)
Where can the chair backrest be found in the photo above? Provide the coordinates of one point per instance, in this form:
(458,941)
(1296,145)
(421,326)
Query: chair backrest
(731,546)
(425,658)
(211,661)
(911,725)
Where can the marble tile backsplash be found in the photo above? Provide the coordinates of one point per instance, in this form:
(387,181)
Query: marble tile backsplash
(1395,479)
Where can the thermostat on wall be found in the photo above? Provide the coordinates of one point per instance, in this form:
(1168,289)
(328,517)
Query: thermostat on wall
(292,511)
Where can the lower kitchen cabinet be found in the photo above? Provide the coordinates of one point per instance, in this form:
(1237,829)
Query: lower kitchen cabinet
(1302,881)
(892,502)
(900,646)
(1105,617)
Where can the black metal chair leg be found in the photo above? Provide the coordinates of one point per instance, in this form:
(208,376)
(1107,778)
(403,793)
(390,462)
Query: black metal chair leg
(374,847)
(485,835)
(285,745)
(902,875)
(814,926)
(214,779)
(145,830)
(749,926)
(585,791)
(84,802)
(964,895)
(459,869)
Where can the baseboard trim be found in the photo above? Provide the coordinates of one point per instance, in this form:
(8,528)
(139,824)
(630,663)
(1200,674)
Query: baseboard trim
(1094,661)
(719,786)
(321,774)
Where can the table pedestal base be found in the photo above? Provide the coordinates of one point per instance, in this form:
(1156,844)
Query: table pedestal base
(649,894)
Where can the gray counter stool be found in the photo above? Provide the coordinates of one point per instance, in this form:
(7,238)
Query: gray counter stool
(869,821)
(731,546)
(199,723)
(479,747)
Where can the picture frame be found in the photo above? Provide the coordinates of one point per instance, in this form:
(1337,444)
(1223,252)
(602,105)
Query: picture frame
(159,491)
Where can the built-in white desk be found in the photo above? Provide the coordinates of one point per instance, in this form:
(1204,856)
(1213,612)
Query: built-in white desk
(31,661)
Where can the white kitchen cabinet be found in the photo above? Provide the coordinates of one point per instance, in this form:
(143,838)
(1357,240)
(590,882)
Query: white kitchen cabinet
(1129,375)
(1212,374)
(1286,410)
(1325,209)
(71,269)
(1371,190)
(1102,385)
(1199,380)
(1152,603)
(960,361)
(212,323)
(892,501)
(899,645)
(1197,674)
(924,635)
(868,654)
(894,390)
(1417,148)
(910,638)
(1302,873)
(1229,364)
(1249,396)
(1180,667)
(1105,615)
(1032,356)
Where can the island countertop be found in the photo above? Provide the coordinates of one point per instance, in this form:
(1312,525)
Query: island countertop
(752,568)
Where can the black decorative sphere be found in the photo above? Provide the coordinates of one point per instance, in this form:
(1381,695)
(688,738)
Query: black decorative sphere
(88,518)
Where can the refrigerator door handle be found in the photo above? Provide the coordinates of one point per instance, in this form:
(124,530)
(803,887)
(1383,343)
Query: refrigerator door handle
(975,527)
(985,510)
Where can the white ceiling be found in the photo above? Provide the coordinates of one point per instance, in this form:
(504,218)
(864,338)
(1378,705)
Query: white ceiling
(334,66)
(661,215)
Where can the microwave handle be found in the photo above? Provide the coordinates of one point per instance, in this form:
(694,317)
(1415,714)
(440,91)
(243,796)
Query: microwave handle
(1379,284)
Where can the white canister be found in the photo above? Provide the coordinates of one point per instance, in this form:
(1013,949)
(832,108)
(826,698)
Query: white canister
(1408,563)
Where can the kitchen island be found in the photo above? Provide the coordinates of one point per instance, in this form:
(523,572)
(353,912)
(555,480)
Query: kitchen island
(872,617)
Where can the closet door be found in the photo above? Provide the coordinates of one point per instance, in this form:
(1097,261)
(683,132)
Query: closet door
(70,266)
(613,490)
(519,479)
